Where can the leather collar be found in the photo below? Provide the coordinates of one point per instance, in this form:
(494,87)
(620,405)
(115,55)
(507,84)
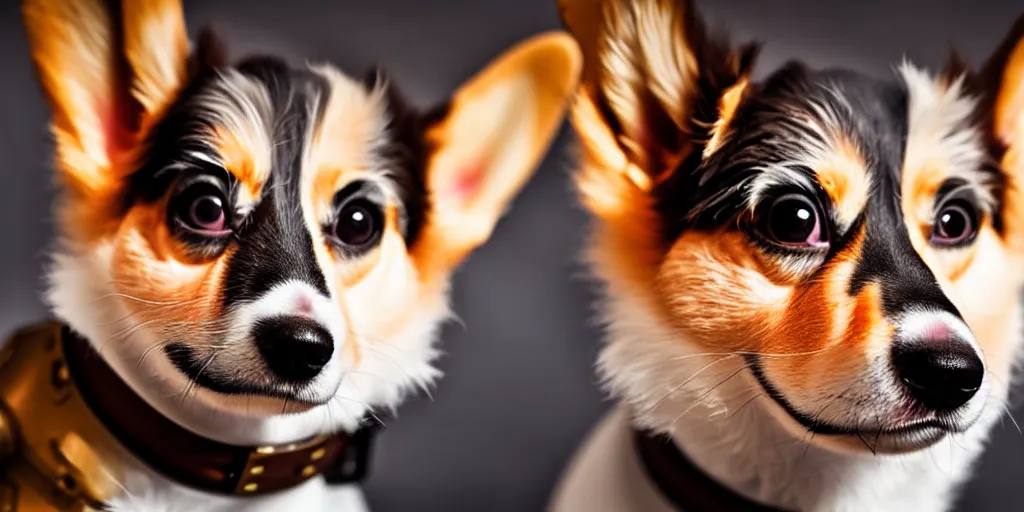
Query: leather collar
(682,483)
(200,462)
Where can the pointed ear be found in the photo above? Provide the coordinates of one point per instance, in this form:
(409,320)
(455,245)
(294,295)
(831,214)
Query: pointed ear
(1004,75)
(656,85)
(107,69)
(491,138)
(1006,68)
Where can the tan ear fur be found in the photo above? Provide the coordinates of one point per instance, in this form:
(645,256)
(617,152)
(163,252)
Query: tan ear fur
(1005,69)
(648,63)
(104,73)
(157,46)
(499,125)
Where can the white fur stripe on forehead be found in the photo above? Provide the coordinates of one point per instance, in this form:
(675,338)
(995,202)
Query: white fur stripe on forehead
(940,134)
(351,136)
(242,107)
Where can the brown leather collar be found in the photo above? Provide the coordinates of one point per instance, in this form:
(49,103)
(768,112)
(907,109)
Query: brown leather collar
(682,483)
(200,462)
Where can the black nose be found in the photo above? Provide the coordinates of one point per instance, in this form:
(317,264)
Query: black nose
(941,375)
(294,348)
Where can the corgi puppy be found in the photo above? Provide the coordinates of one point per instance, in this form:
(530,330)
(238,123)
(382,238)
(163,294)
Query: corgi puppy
(811,283)
(262,252)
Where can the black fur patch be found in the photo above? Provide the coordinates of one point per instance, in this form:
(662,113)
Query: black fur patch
(274,244)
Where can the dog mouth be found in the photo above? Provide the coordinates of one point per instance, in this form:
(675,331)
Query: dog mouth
(195,368)
(898,437)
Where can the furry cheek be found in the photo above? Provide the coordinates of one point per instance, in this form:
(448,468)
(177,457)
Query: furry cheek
(714,290)
(975,279)
(719,293)
(155,285)
(378,291)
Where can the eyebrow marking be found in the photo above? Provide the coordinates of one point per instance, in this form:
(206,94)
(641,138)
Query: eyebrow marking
(199,155)
(943,142)
(240,116)
(844,176)
(349,143)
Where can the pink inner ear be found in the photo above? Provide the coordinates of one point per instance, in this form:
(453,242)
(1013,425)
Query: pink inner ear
(119,119)
(115,138)
(468,181)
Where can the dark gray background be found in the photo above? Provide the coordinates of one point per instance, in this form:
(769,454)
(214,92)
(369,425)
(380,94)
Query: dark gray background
(518,394)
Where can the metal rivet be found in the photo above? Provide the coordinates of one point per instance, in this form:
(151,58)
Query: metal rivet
(265,450)
(318,454)
(60,375)
(250,487)
(67,482)
(256,470)
(6,436)
(308,471)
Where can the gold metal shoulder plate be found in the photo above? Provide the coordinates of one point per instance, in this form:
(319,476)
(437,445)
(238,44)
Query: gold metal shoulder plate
(55,455)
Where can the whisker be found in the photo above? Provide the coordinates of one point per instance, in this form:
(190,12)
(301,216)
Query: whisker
(192,382)
(687,381)
(1002,403)
(704,395)
(389,359)
(150,349)
(758,354)
(757,394)
(145,301)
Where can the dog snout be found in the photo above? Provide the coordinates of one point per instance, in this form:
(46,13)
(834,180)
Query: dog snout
(938,364)
(295,348)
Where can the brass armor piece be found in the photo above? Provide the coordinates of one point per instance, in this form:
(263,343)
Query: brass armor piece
(55,454)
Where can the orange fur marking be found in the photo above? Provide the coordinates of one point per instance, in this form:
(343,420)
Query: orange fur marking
(713,288)
(240,160)
(716,290)
(843,175)
(325,187)
(165,289)
(1009,127)
(727,106)
(1009,108)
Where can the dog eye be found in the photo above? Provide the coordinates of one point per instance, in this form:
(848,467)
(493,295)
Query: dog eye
(794,220)
(201,208)
(955,224)
(359,223)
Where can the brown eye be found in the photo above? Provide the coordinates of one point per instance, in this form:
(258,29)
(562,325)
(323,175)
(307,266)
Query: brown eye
(358,224)
(955,224)
(202,209)
(794,220)
(207,214)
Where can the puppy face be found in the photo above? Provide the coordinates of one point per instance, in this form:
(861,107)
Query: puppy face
(267,239)
(853,244)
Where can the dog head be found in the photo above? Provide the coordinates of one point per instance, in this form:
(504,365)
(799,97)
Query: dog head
(847,247)
(263,239)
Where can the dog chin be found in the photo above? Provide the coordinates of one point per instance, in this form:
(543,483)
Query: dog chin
(895,439)
(259,404)
(239,398)
(879,443)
